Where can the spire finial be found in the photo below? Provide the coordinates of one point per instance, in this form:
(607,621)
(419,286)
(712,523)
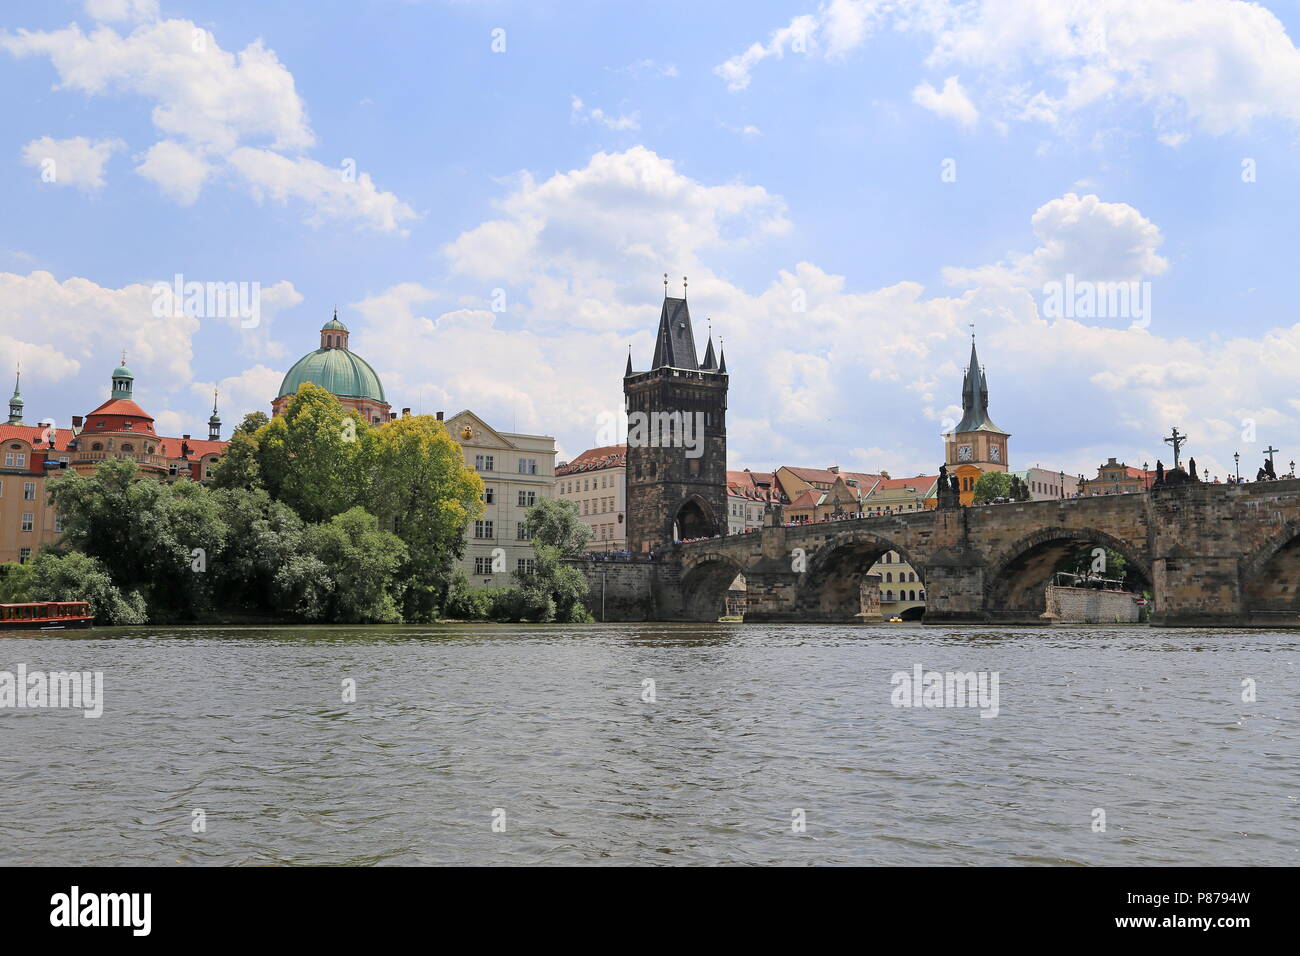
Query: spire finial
(214,401)
(972,332)
(123,356)
(683,287)
(665,285)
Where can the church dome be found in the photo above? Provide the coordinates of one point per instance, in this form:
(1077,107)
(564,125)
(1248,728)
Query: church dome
(338,371)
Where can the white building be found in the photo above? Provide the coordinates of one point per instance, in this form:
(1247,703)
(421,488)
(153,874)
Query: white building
(517,472)
(1045,484)
(596,482)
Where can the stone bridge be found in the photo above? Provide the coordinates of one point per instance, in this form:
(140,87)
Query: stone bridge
(1226,555)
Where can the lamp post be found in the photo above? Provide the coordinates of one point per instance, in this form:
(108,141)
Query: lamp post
(1236,461)
(1292,469)
(1061,485)
(1146,478)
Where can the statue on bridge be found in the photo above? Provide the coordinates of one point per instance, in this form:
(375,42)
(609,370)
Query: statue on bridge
(949,495)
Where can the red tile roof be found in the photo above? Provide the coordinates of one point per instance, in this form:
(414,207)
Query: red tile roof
(920,483)
(32,434)
(121,406)
(171,447)
(594,459)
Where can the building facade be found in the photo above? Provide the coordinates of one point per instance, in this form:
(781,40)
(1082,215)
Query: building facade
(1117,478)
(1044,484)
(119,428)
(596,483)
(517,472)
(677,438)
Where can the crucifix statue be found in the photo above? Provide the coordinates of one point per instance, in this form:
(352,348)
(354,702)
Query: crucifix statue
(1177,441)
(1271,451)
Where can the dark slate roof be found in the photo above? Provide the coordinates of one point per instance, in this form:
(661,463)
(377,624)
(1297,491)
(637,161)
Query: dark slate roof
(675,342)
(975,399)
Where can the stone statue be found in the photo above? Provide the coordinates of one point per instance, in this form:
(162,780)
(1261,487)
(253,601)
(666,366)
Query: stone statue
(1191,473)
(1268,469)
(1160,472)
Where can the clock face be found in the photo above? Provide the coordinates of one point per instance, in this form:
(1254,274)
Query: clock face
(995,453)
(964,453)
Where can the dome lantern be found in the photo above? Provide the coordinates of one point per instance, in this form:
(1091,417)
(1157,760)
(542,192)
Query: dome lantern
(334,334)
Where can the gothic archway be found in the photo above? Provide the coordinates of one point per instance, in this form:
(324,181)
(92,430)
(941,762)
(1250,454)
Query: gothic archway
(694,519)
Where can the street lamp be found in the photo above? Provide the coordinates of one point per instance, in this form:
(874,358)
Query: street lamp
(1236,459)
(1146,479)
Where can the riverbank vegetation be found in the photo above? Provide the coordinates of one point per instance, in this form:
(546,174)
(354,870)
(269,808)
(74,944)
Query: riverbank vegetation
(313,516)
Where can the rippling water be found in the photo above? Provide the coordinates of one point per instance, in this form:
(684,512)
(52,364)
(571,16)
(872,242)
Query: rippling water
(750,722)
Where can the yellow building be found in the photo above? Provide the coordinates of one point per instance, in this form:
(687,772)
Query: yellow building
(976,445)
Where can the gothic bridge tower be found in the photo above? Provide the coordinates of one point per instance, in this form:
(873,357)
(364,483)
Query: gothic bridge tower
(677,437)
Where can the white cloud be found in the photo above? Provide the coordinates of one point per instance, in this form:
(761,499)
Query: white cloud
(330,193)
(1080,236)
(951,102)
(1212,65)
(71,162)
(212,107)
(621,214)
(250,391)
(579,113)
(178,171)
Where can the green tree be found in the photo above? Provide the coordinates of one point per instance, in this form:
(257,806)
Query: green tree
(238,466)
(72,577)
(555,523)
(362,562)
(554,590)
(990,485)
(312,457)
(420,488)
(152,537)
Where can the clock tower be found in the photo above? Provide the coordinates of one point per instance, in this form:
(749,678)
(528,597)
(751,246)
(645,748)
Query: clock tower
(976,445)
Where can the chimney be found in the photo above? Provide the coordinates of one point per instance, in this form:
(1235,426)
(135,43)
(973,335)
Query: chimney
(185,437)
(440,416)
(77,421)
(834,469)
(406,413)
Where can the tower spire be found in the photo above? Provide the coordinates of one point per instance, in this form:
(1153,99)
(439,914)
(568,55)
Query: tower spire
(16,403)
(214,423)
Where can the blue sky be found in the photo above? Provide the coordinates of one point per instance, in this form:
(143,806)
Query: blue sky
(787,156)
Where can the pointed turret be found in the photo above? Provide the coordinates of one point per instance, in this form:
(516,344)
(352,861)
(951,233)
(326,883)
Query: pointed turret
(16,403)
(214,423)
(628,371)
(710,363)
(975,398)
(722,361)
(675,341)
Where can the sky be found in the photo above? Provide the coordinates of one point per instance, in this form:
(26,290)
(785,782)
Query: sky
(490,192)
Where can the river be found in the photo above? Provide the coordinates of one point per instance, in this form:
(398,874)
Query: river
(501,744)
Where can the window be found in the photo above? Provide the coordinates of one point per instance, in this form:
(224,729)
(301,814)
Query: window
(27,521)
(2,489)
(482,565)
(482,529)
(15,459)
(24,554)
(527,499)
(58,524)
(484,463)
(521,531)
(889,595)
(889,576)
(527,466)
(489,495)
(585,502)
(29,491)
(525,565)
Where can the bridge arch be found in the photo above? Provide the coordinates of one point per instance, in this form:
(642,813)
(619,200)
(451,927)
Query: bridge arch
(704,585)
(1270,578)
(832,587)
(1016,579)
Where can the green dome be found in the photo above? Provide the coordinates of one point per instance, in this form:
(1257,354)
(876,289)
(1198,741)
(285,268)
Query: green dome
(338,371)
(122,372)
(334,325)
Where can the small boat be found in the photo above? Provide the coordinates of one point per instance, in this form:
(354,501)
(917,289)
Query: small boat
(45,616)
